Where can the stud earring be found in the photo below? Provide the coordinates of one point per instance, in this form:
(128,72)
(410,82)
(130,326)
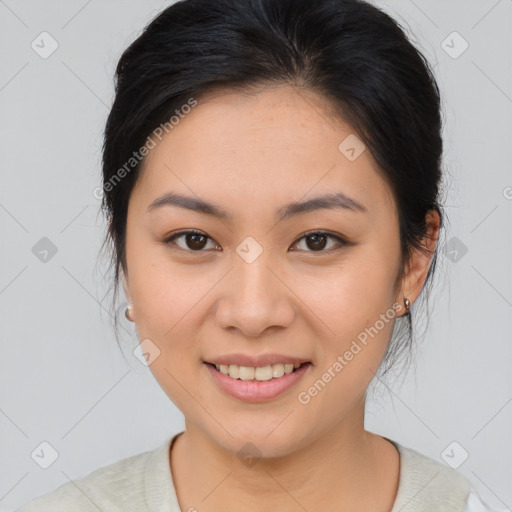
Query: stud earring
(128,312)
(407,303)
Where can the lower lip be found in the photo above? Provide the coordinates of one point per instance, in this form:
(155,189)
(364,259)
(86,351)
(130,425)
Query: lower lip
(255,390)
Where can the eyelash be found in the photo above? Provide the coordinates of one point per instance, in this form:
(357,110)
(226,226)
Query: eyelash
(341,241)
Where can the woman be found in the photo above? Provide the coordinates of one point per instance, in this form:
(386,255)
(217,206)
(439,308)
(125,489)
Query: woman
(271,182)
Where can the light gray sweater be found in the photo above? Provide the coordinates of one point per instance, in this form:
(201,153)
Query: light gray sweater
(143,483)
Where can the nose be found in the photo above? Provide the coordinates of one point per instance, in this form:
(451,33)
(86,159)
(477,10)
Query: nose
(255,297)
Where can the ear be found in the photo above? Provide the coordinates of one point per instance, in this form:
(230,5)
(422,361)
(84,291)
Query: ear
(418,265)
(129,310)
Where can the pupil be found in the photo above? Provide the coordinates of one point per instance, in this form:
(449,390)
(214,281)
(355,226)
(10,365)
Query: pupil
(193,239)
(315,241)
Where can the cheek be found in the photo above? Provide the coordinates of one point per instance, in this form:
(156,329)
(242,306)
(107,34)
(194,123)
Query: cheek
(165,309)
(166,304)
(164,293)
(348,296)
(353,307)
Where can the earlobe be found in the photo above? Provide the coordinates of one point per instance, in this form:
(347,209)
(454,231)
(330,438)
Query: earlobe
(420,261)
(128,313)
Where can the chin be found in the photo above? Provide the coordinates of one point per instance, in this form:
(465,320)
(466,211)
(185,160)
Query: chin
(252,440)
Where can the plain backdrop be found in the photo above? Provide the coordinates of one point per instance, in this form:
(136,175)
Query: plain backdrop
(63,378)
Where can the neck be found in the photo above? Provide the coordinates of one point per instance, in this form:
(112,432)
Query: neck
(346,465)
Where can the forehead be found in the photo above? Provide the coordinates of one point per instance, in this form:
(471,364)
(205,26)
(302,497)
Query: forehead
(262,146)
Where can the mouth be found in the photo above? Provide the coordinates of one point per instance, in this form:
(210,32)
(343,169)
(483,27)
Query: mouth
(257,373)
(256,384)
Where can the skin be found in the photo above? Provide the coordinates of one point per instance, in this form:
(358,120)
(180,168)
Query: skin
(251,154)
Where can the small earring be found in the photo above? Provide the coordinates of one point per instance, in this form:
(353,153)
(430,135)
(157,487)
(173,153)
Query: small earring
(407,303)
(128,312)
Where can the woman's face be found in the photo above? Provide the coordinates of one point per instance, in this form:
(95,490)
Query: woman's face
(252,284)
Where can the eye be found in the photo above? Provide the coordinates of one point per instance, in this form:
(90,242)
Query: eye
(194,240)
(318,240)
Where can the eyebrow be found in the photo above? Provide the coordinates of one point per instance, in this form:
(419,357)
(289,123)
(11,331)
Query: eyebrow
(327,201)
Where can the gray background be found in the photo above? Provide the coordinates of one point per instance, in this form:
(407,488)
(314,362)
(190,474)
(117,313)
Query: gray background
(64,380)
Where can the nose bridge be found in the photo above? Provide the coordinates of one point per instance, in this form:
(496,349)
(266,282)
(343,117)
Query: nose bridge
(253,277)
(255,297)
(254,286)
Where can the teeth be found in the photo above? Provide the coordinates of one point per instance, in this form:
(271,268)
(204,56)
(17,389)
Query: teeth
(234,371)
(260,373)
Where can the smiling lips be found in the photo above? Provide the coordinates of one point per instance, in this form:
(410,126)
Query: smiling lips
(261,373)
(257,384)
(256,378)
(261,368)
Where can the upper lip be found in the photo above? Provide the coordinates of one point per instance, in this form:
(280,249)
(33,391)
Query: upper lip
(254,361)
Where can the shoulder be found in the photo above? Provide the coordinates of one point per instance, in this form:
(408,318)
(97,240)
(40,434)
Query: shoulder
(116,487)
(426,484)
